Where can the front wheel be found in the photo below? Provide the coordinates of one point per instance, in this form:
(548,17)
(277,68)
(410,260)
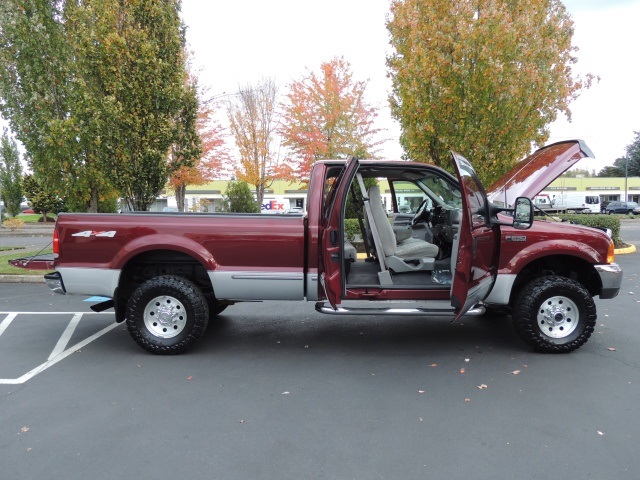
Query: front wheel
(554,314)
(167,315)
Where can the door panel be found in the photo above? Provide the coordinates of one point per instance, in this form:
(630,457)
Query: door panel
(475,269)
(332,244)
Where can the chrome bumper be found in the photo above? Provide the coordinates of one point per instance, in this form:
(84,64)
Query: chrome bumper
(611,278)
(54,282)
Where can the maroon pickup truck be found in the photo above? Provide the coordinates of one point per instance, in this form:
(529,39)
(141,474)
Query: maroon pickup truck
(442,246)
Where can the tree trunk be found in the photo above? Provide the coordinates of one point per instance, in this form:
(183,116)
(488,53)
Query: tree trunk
(180,196)
(93,201)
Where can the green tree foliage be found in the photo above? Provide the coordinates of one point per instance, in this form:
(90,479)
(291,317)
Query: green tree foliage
(484,78)
(10,174)
(43,94)
(96,92)
(628,165)
(136,54)
(42,199)
(239,198)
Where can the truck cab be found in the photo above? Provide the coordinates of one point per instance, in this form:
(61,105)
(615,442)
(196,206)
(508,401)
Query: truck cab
(440,257)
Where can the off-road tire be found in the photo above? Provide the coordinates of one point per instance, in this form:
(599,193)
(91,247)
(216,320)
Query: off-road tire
(167,315)
(554,314)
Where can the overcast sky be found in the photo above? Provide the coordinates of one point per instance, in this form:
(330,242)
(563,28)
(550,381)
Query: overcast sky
(241,42)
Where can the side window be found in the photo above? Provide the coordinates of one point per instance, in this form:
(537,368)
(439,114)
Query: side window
(408,196)
(330,182)
(476,199)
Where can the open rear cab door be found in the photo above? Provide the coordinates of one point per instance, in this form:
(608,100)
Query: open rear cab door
(332,256)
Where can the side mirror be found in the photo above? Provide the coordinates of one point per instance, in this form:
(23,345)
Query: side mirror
(523,213)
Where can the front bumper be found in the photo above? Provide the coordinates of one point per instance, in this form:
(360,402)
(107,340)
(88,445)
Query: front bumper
(611,278)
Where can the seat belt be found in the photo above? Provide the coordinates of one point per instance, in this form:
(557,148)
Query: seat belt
(384,275)
(363,230)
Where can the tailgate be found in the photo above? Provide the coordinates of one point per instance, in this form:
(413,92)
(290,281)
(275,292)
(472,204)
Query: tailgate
(36,262)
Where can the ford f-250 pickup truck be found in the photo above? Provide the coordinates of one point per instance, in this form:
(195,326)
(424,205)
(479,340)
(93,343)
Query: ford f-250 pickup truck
(449,249)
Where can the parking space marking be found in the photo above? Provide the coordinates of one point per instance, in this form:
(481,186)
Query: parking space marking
(7,320)
(59,352)
(66,336)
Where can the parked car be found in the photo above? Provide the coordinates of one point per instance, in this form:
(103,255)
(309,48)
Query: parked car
(623,207)
(297,210)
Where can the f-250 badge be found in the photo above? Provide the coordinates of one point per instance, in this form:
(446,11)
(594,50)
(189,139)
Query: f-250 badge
(515,238)
(94,233)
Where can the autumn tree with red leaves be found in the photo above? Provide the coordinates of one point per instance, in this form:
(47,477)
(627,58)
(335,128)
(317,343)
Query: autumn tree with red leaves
(326,116)
(214,155)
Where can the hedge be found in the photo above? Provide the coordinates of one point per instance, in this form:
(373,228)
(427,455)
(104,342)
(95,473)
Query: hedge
(602,221)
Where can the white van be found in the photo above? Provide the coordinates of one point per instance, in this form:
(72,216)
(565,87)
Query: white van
(578,202)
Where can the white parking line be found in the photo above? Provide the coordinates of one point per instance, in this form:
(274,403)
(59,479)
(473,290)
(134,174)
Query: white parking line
(66,336)
(59,352)
(7,320)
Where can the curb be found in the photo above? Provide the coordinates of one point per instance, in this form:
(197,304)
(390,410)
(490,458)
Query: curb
(623,251)
(22,278)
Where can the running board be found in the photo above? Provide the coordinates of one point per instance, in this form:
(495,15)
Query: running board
(323,307)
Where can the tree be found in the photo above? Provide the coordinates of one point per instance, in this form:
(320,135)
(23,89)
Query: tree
(633,157)
(96,92)
(612,171)
(139,61)
(484,78)
(10,174)
(214,154)
(326,116)
(47,99)
(42,199)
(628,165)
(252,119)
(239,198)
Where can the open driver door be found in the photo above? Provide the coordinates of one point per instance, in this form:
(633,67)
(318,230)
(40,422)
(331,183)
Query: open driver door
(478,242)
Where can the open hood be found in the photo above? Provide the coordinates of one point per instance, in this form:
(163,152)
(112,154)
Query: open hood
(533,174)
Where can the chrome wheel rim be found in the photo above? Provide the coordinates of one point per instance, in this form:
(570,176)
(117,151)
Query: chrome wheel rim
(165,316)
(558,317)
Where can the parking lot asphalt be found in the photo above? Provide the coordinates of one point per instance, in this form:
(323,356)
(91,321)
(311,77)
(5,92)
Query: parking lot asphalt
(277,390)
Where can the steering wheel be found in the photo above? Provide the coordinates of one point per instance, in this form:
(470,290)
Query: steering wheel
(422,213)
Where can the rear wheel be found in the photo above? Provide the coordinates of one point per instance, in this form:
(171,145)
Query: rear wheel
(554,314)
(167,315)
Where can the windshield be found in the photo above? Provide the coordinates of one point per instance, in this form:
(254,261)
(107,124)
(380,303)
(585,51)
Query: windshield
(441,191)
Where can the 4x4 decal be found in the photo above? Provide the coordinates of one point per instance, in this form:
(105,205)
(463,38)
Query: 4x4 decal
(94,233)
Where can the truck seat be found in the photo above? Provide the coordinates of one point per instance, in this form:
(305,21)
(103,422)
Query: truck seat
(407,255)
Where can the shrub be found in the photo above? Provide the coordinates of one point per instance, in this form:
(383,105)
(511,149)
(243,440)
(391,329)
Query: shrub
(13,224)
(602,221)
(352,227)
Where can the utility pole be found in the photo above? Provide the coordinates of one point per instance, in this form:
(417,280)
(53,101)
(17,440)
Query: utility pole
(626,178)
